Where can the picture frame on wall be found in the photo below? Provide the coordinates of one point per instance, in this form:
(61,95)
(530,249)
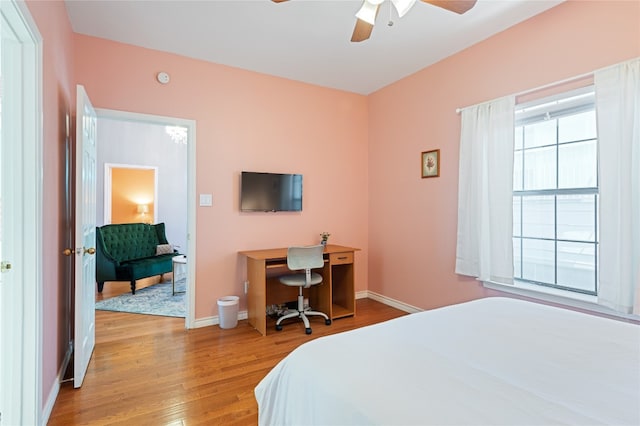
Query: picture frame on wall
(430,163)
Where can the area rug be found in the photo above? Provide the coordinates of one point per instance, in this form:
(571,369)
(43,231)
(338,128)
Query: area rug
(153,300)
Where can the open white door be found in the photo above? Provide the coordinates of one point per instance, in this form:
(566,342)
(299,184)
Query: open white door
(85,265)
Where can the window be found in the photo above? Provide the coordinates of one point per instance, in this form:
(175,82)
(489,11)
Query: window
(555,194)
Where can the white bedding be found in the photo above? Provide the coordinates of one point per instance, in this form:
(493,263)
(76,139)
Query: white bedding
(493,361)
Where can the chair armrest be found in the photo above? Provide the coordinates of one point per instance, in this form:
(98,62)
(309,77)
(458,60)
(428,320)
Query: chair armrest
(105,263)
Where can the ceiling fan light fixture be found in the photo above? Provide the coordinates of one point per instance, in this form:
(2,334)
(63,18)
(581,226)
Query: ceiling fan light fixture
(403,6)
(368,11)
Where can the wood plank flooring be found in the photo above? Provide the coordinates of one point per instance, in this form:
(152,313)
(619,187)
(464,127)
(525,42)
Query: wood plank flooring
(149,370)
(116,288)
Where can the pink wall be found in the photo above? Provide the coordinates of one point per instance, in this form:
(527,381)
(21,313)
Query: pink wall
(58,102)
(359,155)
(412,221)
(246,121)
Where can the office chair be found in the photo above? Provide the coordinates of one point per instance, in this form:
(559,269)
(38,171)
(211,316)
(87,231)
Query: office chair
(299,259)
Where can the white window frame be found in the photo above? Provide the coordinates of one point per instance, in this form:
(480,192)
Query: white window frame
(530,112)
(587,302)
(563,104)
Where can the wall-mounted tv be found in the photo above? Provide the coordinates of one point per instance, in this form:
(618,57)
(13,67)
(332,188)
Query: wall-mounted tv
(270,192)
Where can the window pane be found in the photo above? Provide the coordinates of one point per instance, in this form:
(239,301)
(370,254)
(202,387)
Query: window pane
(538,261)
(576,266)
(517,203)
(517,259)
(538,218)
(517,171)
(577,217)
(578,165)
(577,127)
(540,168)
(555,237)
(540,133)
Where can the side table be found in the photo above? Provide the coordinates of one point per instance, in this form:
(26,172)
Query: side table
(177,260)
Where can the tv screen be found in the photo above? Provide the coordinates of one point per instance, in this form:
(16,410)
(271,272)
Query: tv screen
(270,192)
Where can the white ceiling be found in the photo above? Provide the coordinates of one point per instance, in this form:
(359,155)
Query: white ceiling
(304,40)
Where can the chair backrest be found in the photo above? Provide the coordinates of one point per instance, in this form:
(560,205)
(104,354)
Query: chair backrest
(305,257)
(129,241)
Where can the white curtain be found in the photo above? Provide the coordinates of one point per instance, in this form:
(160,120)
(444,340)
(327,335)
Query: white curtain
(618,117)
(485,192)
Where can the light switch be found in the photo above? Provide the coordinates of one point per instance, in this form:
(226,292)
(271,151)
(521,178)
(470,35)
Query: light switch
(206,200)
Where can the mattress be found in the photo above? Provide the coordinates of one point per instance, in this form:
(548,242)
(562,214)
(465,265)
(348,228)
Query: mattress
(492,361)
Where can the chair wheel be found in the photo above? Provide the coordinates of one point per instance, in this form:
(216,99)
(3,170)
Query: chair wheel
(327,322)
(278,327)
(307,330)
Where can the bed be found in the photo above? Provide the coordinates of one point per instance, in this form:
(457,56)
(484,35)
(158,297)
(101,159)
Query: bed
(492,361)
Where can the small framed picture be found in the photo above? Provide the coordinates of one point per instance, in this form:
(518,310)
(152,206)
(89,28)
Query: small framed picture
(430,163)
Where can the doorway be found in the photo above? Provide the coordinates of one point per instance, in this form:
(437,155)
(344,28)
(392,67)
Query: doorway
(135,138)
(130,193)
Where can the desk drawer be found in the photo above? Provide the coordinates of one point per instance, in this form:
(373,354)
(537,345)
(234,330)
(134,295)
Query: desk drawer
(341,258)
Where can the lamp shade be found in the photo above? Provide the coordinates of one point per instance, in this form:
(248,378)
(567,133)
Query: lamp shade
(143,208)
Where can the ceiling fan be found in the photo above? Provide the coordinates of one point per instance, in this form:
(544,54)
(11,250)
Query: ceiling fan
(366,16)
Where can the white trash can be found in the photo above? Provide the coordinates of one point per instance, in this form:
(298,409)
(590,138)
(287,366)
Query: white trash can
(228,311)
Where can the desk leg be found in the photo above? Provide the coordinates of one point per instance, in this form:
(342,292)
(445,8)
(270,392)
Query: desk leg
(322,293)
(257,295)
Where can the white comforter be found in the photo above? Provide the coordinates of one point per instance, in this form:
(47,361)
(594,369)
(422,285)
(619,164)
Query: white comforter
(486,362)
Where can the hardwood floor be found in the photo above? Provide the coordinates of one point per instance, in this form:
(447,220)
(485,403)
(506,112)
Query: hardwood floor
(149,370)
(116,288)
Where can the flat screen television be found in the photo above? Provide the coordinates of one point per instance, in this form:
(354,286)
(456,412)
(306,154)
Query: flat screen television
(270,192)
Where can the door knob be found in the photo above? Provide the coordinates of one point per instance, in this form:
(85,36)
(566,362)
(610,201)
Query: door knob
(68,251)
(5,266)
(90,250)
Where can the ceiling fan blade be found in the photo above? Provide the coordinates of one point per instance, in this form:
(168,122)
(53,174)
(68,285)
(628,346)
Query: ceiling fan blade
(457,6)
(362,31)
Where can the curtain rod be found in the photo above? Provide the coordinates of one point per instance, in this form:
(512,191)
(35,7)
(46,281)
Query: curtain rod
(555,83)
(536,89)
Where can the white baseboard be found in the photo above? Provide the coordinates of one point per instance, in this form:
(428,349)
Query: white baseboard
(55,388)
(51,401)
(215,320)
(242,315)
(392,302)
(362,294)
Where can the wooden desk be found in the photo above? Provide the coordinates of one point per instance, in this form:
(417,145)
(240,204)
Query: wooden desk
(335,296)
